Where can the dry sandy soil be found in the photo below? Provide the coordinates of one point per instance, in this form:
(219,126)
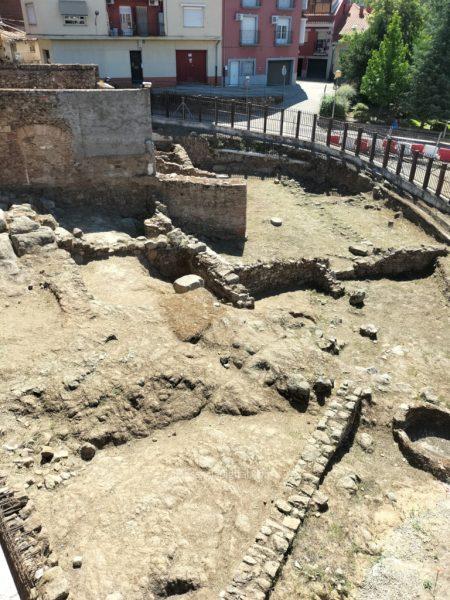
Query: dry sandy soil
(193,440)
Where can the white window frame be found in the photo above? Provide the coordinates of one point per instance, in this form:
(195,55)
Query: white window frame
(198,9)
(247,60)
(76,20)
(31,13)
(126,18)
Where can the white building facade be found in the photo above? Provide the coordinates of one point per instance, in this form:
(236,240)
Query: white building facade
(162,41)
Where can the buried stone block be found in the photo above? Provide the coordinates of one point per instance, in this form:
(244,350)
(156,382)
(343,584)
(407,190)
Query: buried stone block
(187,283)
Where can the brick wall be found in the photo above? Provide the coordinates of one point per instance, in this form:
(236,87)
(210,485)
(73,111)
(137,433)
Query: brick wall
(48,76)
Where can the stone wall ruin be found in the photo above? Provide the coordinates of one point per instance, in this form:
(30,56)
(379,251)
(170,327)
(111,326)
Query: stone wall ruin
(52,76)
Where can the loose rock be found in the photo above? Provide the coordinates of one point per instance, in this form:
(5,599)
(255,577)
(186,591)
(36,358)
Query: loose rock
(369,331)
(87,451)
(188,283)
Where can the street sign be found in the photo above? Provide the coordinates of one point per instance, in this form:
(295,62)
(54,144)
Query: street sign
(284,71)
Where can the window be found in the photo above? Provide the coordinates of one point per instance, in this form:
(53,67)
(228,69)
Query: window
(247,68)
(193,16)
(74,20)
(31,13)
(126,20)
(251,3)
(32,47)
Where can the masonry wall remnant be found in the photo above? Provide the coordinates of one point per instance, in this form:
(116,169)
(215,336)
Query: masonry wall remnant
(76,145)
(52,76)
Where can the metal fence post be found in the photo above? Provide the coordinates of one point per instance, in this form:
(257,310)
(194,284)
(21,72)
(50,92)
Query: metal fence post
(249,115)
(329,130)
(426,179)
(441,179)
(216,111)
(412,172)
(200,116)
(314,127)
(167,105)
(387,151)
(232,115)
(183,108)
(344,137)
(297,127)
(281,122)
(266,110)
(400,160)
(358,142)
(373,148)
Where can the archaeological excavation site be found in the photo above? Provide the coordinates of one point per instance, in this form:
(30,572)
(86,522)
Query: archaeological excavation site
(224,361)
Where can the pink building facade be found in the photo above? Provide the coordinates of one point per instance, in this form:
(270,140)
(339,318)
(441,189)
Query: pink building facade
(324,21)
(260,41)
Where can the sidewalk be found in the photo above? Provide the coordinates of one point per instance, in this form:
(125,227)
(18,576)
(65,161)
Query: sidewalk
(304,95)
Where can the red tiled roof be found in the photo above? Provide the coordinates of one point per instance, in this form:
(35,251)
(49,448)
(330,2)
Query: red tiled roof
(354,21)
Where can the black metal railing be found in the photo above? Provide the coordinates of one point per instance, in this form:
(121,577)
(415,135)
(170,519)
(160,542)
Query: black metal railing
(249,37)
(422,164)
(282,38)
(318,7)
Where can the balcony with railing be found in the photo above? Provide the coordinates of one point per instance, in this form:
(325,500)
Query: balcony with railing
(318,7)
(283,36)
(249,37)
(251,3)
(322,47)
(285,4)
(135,31)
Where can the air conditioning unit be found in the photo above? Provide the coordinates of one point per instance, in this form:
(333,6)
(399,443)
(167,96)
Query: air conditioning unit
(153,2)
(274,19)
(238,17)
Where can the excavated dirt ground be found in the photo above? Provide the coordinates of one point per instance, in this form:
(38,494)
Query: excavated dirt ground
(194,440)
(314,225)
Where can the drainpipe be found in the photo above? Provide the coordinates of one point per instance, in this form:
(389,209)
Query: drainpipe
(216,67)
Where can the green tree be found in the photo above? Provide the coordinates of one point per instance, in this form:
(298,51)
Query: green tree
(429,96)
(387,75)
(360,46)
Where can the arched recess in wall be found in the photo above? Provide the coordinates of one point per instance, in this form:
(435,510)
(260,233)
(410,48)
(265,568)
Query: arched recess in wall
(47,153)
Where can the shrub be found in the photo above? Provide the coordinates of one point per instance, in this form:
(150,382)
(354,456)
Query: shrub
(347,92)
(361,112)
(341,108)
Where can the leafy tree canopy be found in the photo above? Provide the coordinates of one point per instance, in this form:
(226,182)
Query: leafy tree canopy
(387,75)
(429,96)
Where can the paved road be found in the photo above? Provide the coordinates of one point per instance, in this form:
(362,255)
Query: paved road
(304,95)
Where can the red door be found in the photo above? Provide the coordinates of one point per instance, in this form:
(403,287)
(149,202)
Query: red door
(191,66)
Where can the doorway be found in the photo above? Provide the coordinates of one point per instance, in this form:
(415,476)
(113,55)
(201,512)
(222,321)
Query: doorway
(191,66)
(137,74)
(275,72)
(234,72)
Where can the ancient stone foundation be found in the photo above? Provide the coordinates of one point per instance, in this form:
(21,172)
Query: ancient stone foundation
(260,567)
(74,138)
(262,278)
(416,422)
